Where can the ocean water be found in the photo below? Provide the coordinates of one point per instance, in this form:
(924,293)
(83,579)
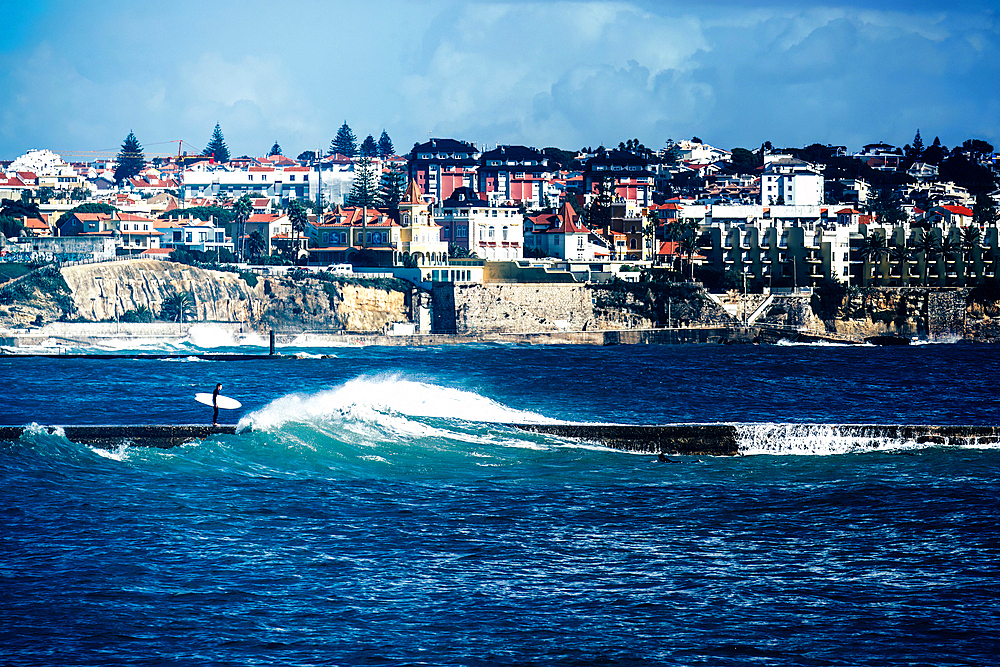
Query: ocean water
(372,511)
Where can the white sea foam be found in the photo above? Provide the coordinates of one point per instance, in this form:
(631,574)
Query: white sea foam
(817,439)
(378,399)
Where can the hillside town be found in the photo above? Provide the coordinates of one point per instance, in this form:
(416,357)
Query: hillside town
(450,211)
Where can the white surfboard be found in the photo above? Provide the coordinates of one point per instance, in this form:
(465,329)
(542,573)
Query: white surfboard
(224,402)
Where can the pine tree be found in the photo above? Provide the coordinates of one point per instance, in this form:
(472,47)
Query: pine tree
(391,187)
(918,145)
(385,147)
(345,143)
(217,146)
(363,190)
(275,150)
(130,160)
(368,147)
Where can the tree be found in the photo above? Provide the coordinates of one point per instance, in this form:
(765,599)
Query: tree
(306,156)
(368,147)
(217,148)
(873,248)
(10,227)
(391,187)
(927,245)
(950,248)
(130,160)
(275,150)
(977,149)
(743,161)
(915,152)
(459,252)
(935,153)
(79,194)
(345,142)
(984,212)
(885,206)
(385,147)
(363,191)
(178,307)
(242,210)
(298,215)
(256,244)
(45,194)
(902,254)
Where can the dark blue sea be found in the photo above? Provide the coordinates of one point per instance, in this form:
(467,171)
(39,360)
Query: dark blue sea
(372,512)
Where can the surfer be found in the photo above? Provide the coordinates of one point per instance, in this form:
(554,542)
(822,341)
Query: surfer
(215,403)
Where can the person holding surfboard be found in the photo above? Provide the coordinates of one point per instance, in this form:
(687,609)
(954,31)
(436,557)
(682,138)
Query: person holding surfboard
(217,400)
(215,403)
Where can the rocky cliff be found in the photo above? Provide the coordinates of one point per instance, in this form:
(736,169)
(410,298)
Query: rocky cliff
(106,291)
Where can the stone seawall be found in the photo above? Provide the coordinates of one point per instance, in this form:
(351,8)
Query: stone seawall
(540,307)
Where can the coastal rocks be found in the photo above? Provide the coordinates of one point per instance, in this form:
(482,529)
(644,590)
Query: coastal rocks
(312,304)
(108,290)
(112,291)
(35,299)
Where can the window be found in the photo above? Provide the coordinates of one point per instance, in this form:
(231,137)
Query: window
(505,232)
(446,232)
(462,232)
(492,231)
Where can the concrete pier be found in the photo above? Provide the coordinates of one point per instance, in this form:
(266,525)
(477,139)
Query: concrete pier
(110,436)
(723,439)
(683,439)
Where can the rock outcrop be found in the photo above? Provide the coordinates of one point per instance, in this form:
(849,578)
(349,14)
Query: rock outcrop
(109,290)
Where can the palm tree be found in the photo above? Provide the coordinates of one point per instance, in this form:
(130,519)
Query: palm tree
(241,213)
(971,239)
(950,248)
(902,254)
(687,247)
(873,248)
(299,217)
(927,245)
(178,307)
(256,244)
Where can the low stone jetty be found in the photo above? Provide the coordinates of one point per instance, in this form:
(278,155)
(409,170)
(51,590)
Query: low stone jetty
(161,436)
(718,439)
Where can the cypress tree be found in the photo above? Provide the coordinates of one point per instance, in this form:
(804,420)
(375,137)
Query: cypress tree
(217,146)
(368,147)
(130,160)
(385,147)
(345,142)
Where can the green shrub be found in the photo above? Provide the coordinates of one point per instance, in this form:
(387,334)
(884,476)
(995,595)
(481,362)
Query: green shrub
(249,278)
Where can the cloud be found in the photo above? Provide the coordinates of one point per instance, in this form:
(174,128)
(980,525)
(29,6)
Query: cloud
(537,73)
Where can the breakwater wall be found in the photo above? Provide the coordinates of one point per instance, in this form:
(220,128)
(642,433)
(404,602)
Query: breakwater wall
(762,438)
(111,436)
(719,439)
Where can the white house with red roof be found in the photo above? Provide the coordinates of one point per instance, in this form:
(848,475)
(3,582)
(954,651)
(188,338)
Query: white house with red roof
(562,235)
(136,233)
(953,215)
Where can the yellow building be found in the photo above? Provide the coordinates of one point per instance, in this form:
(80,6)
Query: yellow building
(420,235)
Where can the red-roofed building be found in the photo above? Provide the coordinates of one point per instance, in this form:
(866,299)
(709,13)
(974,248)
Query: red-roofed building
(562,235)
(954,215)
(367,237)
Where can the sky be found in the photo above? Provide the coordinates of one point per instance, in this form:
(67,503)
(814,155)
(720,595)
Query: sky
(76,77)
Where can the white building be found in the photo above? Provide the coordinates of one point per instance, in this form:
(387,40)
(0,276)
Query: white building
(791,182)
(489,232)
